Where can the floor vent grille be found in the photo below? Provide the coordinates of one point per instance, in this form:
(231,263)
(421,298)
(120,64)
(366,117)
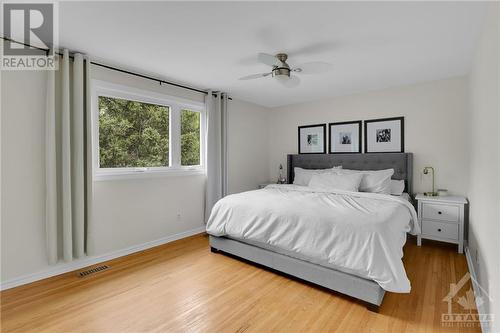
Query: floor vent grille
(93,270)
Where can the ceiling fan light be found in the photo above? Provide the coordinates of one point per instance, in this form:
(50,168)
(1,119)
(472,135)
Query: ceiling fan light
(282,77)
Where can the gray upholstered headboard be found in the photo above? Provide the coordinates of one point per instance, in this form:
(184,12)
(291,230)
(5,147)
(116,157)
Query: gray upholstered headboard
(402,163)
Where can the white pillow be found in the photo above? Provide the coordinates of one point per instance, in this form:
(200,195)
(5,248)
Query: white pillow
(375,181)
(303,176)
(397,187)
(333,181)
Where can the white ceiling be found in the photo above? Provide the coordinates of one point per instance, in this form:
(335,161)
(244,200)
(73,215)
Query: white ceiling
(372,45)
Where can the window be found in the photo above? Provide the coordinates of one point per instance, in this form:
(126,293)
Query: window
(140,133)
(132,134)
(190,137)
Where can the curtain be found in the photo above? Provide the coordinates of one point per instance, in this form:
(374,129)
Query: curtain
(68,159)
(216,149)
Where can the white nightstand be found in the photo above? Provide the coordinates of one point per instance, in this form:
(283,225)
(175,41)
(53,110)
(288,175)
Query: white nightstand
(442,219)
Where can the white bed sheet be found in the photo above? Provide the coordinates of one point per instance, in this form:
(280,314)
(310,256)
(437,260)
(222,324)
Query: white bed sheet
(403,195)
(359,233)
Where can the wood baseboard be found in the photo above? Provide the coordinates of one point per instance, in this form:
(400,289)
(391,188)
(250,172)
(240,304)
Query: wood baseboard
(65,267)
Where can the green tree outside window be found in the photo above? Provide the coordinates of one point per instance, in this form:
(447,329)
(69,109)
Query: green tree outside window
(136,134)
(132,134)
(190,137)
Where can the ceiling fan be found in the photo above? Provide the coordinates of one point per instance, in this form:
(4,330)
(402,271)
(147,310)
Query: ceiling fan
(282,72)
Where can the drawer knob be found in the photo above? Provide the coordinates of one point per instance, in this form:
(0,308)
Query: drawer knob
(439,229)
(440,213)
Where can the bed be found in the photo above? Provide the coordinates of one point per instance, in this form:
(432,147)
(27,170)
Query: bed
(358,255)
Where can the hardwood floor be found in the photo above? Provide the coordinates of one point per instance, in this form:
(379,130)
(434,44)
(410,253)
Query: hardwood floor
(182,286)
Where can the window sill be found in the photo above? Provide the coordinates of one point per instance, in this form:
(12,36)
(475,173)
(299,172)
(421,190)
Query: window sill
(133,174)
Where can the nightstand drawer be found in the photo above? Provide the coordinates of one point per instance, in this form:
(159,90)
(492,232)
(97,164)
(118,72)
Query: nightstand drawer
(440,229)
(440,212)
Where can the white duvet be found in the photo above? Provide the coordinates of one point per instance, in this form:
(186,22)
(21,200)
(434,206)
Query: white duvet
(356,232)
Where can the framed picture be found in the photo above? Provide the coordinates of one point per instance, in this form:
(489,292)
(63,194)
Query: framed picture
(312,139)
(384,135)
(345,137)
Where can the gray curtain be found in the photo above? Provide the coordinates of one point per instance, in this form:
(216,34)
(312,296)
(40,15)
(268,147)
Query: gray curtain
(68,159)
(216,149)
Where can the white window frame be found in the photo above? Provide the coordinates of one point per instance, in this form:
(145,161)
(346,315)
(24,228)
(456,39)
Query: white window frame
(175,105)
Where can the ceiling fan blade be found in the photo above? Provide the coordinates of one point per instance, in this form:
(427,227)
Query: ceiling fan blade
(254,76)
(315,67)
(292,82)
(267,59)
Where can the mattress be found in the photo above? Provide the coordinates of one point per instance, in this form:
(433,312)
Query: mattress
(357,233)
(294,254)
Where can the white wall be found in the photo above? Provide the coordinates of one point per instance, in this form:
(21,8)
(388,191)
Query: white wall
(127,212)
(482,130)
(434,126)
(22,173)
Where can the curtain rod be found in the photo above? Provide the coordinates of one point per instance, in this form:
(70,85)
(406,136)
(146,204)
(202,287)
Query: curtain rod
(117,69)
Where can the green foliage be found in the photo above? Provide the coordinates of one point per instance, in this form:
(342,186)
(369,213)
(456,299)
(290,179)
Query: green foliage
(136,134)
(190,137)
(132,134)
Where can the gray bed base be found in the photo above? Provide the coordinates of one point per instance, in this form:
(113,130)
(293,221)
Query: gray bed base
(348,284)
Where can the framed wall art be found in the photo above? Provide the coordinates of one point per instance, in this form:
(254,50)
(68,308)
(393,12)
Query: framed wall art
(384,135)
(312,139)
(345,137)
